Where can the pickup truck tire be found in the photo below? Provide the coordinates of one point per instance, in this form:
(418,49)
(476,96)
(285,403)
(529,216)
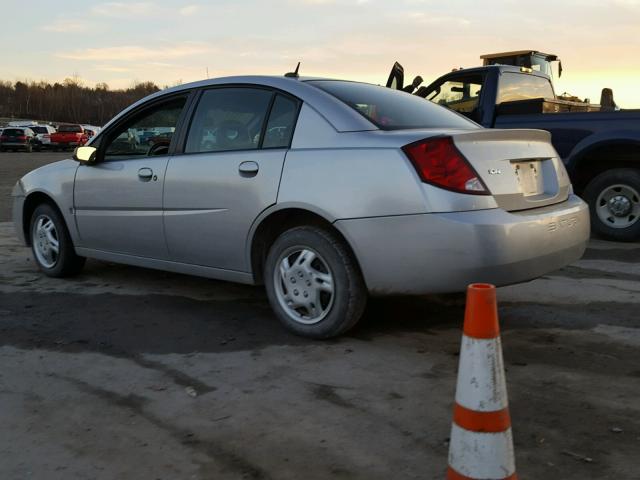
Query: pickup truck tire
(614,204)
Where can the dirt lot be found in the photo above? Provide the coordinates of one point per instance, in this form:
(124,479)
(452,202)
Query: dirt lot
(126,373)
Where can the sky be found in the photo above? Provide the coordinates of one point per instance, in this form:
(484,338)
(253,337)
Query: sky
(171,42)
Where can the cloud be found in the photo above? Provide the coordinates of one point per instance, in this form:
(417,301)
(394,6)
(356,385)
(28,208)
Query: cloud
(111,68)
(328,2)
(189,10)
(136,52)
(119,9)
(67,25)
(428,19)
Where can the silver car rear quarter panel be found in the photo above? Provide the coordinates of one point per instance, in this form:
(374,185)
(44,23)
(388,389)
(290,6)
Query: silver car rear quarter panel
(444,252)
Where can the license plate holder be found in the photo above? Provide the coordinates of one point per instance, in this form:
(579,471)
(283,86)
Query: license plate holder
(529,175)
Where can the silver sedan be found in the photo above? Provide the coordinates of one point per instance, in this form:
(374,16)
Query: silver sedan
(325,191)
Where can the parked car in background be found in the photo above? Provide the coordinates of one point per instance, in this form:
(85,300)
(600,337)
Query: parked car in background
(599,146)
(324,190)
(68,137)
(43,134)
(15,139)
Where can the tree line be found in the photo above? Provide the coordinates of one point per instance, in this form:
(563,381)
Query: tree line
(70,101)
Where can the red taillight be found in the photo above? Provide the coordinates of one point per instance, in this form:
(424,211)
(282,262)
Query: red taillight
(22,138)
(440,163)
(3,138)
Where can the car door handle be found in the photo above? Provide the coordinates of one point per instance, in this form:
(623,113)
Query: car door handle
(145,174)
(248,168)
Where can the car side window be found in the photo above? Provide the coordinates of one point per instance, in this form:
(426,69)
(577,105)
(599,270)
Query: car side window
(461,94)
(228,119)
(282,121)
(147,134)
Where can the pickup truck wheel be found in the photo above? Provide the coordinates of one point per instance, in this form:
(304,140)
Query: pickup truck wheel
(614,202)
(313,283)
(51,243)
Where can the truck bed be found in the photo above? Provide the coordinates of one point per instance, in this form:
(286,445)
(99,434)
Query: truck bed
(569,128)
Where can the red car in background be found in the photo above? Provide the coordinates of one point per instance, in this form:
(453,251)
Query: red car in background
(68,137)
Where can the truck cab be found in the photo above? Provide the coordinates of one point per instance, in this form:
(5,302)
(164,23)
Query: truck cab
(481,93)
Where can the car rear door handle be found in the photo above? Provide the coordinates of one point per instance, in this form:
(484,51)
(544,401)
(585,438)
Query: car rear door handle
(145,174)
(248,168)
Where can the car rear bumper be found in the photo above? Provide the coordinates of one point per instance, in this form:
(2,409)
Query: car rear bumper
(444,252)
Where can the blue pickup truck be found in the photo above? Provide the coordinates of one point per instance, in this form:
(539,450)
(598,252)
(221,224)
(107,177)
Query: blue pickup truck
(601,149)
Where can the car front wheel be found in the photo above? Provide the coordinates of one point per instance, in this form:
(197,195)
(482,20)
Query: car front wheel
(313,283)
(614,201)
(51,244)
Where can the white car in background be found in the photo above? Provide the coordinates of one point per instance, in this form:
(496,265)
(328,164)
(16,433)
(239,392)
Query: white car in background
(43,134)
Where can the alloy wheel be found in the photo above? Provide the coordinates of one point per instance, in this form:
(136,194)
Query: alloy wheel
(304,285)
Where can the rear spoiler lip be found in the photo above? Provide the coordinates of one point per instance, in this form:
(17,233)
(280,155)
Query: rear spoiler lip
(497,135)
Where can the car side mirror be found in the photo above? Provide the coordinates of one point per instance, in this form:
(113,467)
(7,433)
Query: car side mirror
(85,154)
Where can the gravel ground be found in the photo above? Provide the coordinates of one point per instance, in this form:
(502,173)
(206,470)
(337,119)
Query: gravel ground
(127,373)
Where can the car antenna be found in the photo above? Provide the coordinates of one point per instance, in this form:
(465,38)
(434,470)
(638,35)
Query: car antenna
(293,74)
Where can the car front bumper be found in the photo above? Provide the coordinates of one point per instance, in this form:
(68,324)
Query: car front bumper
(444,252)
(18,196)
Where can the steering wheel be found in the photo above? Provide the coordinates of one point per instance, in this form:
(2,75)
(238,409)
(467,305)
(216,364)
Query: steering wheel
(160,148)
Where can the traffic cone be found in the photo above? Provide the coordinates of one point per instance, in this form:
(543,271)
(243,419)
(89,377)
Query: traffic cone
(481,444)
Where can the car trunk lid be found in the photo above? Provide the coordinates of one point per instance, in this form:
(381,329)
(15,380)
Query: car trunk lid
(520,168)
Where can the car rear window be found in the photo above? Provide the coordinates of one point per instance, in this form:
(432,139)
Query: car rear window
(39,129)
(70,129)
(13,131)
(521,86)
(390,109)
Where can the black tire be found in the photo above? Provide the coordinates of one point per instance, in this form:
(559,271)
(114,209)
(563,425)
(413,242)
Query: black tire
(67,262)
(629,178)
(349,295)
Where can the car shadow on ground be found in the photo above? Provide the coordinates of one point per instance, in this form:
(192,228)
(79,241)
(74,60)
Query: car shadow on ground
(132,325)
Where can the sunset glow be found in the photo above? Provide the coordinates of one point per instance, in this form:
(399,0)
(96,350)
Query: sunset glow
(176,42)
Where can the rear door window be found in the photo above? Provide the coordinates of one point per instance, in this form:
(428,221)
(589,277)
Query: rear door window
(229,119)
(282,122)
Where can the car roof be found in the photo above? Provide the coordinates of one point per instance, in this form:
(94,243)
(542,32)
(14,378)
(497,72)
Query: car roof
(341,116)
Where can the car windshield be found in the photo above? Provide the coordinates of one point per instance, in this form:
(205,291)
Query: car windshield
(391,109)
(39,129)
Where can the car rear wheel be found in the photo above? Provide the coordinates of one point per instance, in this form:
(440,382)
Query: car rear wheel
(614,201)
(313,283)
(51,244)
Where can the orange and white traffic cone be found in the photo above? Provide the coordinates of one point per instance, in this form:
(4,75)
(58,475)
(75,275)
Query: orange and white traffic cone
(481,444)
